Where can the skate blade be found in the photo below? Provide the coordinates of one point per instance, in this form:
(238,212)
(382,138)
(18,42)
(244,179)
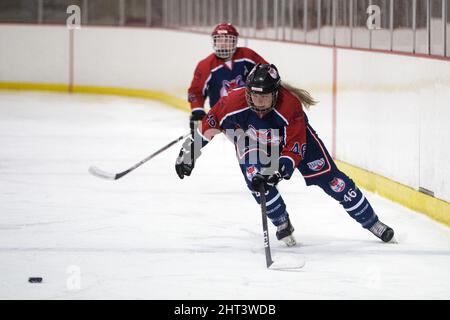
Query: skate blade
(289,241)
(393,240)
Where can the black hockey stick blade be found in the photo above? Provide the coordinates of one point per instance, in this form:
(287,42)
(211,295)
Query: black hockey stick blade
(114,176)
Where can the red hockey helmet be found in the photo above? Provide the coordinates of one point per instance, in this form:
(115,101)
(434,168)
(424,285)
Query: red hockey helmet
(225,28)
(225,37)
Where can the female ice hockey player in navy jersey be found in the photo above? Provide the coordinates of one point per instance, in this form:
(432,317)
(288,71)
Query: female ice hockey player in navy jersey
(273,137)
(225,69)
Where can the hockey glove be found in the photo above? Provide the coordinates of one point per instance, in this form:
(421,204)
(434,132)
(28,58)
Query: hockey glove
(196,115)
(285,167)
(268,181)
(285,170)
(186,158)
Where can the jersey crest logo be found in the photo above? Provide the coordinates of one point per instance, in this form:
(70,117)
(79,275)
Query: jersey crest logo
(251,172)
(227,86)
(337,185)
(316,165)
(264,136)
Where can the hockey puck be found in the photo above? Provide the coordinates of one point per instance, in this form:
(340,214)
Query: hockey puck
(35,279)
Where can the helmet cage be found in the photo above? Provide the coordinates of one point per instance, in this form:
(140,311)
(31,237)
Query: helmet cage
(224,45)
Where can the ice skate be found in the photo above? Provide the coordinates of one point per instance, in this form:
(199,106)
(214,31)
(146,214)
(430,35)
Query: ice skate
(382,231)
(284,233)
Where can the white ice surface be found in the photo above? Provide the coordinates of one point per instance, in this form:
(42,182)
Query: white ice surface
(150,235)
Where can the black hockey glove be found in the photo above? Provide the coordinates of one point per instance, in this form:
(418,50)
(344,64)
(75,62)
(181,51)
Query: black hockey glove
(196,115)
(267,181)
(271,179)
(186,158)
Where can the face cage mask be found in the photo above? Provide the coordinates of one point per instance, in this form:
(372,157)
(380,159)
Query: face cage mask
(224,45)
(257,110)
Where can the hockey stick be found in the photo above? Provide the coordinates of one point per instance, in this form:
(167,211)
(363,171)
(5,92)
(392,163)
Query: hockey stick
(269,262)
(114,176)
(262,196)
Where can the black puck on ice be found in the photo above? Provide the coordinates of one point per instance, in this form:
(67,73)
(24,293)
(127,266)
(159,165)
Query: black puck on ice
(35,279)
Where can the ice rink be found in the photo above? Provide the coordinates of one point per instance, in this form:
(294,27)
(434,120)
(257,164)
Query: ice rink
(151,235)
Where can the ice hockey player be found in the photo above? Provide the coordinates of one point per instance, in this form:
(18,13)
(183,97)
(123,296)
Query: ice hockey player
(225,69)
(268,116)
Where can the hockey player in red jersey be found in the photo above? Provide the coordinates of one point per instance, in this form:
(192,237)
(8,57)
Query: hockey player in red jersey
(225,69)
(273,137)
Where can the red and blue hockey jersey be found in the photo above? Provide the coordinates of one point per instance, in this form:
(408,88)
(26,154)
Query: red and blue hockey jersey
(284,126)
(214,78)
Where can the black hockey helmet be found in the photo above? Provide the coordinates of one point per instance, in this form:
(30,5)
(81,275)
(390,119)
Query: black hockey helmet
(263,79)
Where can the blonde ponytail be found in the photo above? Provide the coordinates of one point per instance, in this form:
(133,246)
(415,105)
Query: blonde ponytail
(302,95)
